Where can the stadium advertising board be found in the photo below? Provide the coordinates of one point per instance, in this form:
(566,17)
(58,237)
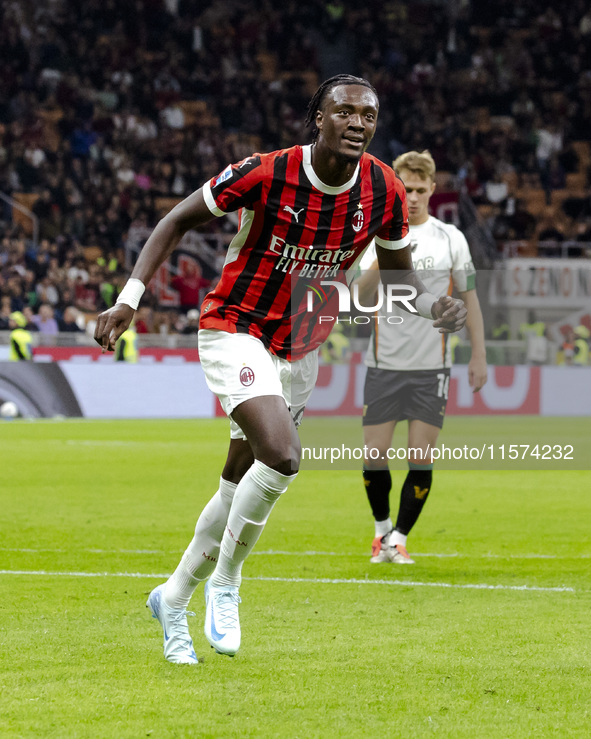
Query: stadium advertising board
(530,283)
(177,389)
(509,391)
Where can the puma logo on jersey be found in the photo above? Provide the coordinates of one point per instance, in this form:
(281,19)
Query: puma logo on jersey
(295,213)
(420,492)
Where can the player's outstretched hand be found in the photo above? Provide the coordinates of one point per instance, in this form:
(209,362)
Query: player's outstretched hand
(111,324)
(450,314)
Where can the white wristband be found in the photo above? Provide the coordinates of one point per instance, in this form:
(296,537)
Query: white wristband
(424,303)
(132,293)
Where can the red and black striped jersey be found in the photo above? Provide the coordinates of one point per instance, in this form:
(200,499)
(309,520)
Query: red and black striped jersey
(294,233)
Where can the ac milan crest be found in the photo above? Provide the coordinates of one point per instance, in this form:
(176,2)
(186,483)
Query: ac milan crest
(357,222)
(246,376)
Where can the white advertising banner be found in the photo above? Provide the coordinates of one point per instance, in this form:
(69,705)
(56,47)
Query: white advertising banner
(119,390)
(565,391)
(534,283)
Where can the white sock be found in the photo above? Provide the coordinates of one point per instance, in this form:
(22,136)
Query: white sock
(397,538)
(255,496)
(383,527)
(201,556)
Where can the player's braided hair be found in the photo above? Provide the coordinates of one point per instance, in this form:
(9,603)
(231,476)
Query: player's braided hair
(317,100)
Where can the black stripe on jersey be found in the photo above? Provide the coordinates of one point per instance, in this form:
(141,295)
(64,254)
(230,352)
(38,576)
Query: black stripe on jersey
(242,283)
(254,195)
(379,197)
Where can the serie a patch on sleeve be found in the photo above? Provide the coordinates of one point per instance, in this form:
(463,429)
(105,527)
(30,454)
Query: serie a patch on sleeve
(225,175)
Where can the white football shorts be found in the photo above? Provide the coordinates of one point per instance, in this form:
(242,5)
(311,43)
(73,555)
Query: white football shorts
(237,367)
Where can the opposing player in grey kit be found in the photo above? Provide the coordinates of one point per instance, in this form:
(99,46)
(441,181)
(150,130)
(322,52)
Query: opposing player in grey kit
(315,204)
(409,363)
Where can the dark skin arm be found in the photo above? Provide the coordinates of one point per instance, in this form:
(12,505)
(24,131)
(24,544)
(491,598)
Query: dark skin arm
(190,213)
(449,313)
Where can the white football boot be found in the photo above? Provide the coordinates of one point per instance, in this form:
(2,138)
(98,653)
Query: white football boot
(383,551)
(222,626)
(400,556)
(178,645)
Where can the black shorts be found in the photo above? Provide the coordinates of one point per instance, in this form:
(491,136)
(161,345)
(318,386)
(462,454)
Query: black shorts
(390,395)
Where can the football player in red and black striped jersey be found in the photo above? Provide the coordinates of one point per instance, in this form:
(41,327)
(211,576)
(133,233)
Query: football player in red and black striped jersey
(306,215)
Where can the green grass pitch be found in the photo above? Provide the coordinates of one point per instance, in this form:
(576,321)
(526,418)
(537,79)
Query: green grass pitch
(487,635)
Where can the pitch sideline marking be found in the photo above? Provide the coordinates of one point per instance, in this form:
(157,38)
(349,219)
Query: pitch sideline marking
(309,580)
(311,553)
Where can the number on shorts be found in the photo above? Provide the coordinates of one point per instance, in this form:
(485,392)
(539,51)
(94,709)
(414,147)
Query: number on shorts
(443,385)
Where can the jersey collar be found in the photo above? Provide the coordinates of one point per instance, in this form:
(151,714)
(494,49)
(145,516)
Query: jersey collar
(421,225)
(317,183)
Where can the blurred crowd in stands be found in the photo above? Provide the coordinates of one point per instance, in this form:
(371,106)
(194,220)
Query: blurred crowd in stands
(110,112)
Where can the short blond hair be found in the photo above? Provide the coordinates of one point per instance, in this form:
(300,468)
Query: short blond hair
(418,162)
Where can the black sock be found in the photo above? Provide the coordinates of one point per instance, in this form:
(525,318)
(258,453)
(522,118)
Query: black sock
(415,492)
(378,484)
